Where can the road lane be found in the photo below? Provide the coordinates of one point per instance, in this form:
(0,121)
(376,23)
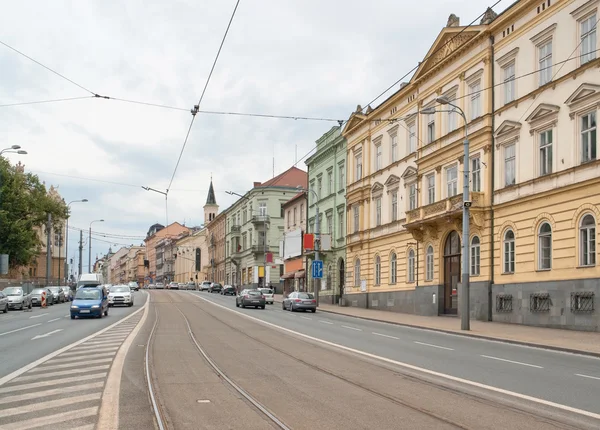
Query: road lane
(24,339)
(553,378)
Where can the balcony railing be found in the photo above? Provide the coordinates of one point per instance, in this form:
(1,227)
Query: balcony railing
(259,249)
(236,229)
(260,219)
(442,207)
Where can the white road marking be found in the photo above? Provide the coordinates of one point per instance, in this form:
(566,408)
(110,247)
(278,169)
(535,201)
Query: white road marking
(413,367)
(62,381)
(306,318)
(49,420)
(67,316)
(40,336)
(91,352)
(434,346)
(19,329)
(587,376)
(325,322)
(352,328)
(77,358)
(52,392)
(385,335)
(40,315)
(47,405)
(511,361)
(55,319)
(68,365)
(82,369)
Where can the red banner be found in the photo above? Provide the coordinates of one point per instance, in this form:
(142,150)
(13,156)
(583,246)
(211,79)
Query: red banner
(308,241)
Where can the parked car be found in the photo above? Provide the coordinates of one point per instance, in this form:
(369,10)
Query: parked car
(59,294)
(190,286)
(205,286)
(159,286)
(173,286)
(269,295)
(36,297)
(134,286)
(120,295)
(228,290)
(299,301)
(250,298)
(68,293)
(90,302)
(3,302)
(215,287)
(18,298)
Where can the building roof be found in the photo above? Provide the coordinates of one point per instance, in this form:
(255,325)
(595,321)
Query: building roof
(294,199)
(293,177)
(211,199)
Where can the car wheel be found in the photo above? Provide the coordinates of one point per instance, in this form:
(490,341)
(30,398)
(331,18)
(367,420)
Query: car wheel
(262,307)
(106,312)
(72,317)
(313,310)
(6,308)
(237,305)
(283,306)
(292,308)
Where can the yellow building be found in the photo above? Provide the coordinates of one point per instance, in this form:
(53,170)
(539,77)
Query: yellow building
(185,257)
(404,182)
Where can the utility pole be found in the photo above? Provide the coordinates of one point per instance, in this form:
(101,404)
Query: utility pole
(80,252)
(48,249)
(59,253)
(317,282)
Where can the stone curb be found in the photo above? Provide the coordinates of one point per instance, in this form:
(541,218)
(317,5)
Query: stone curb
(471,335)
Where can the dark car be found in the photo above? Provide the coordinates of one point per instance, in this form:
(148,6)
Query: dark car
(297,301)
(250,298)
(228,290)
(215,287)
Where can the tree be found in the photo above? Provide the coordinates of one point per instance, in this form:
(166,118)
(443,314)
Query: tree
(24,205)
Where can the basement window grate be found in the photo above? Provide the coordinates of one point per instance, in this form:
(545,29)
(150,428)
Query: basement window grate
(582,302)
(504,303)
(539,302)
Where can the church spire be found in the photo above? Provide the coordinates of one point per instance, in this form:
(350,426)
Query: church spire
(211,199)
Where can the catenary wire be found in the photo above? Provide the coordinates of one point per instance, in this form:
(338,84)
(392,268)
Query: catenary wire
(38,102)
(203,93)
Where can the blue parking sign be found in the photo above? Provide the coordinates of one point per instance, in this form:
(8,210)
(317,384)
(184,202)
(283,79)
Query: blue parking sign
(317,269)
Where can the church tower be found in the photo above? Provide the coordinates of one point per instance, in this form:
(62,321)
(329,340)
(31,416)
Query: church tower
(211,208)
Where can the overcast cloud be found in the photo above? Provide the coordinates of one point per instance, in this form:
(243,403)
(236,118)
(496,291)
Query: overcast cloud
(316,58)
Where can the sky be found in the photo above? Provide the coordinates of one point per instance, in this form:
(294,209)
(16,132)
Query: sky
(314,58)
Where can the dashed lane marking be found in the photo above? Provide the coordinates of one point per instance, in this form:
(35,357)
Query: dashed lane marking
(385,335)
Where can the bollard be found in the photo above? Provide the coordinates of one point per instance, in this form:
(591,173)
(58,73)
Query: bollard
(43,299)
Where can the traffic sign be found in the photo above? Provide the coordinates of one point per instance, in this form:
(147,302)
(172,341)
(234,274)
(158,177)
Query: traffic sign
(317,269)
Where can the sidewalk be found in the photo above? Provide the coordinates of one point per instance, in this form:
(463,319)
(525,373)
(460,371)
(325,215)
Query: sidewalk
(579,342)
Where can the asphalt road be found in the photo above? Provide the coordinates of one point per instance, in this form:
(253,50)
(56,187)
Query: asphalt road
(308,384)
(566,379)
(28,336)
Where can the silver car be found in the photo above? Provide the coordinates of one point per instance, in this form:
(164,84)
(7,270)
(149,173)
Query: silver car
(297,301)
(3,302)
(36,297)
(18,298)
(58,293)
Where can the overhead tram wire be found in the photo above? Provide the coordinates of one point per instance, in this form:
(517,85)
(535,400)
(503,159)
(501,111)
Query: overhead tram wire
(38,102)
(197,107)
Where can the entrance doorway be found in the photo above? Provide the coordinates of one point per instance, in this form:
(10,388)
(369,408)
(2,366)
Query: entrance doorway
(451,272)
(342,278)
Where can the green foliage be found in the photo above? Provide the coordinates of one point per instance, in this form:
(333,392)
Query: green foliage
(24,205)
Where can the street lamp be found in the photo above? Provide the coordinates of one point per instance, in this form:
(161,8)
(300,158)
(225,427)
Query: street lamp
(67,241)
(11,149)
(166,194)
(465,287)
(90,245)
(317,282)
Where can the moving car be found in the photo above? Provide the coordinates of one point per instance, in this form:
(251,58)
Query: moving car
(250,298)
(215,287)
(120,295)
(269,295)
(134,286)
(205,286)
(299,301)
(228,290)
(90,302)
(3,302)
(59,294)
(17,298)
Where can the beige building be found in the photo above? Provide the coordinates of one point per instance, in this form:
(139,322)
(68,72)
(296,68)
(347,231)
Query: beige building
(155,233)
(115,273)
(215,236)
(290,248)
(188,250)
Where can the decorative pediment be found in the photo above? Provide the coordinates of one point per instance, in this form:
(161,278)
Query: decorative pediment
(355,119)
(507,128)
(392,180)
(544,110)
(377,188)
(448,42)
(409,175)
(583,96)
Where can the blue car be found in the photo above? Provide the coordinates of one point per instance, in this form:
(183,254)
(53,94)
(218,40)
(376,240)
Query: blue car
(90,301)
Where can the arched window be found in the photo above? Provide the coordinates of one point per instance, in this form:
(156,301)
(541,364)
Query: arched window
(509,251)
(393,268)
(429,264)
(587,241)
(330,275)
(475,256)
(545,247)
(377,270)
(357,273)
(411,265)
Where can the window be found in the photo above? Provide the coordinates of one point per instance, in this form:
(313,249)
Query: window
(509,165)
(545,62)
(429,264)
(475,92)
(245,216)
(588,137)
(393,268)
(431,188)
(451,181)
(411,266)
(319,188)
(289,216)
(412,137)
(509,252)
(476,174)
(475,256)
(358,162)
(430,127)
(301,212)
(342,174)
(412,197)
(588,38)
(545,247)
(509,83)
(394,205)
(378,160)
(341,225)
(587,241)
(329,182)
(329,223)
(262,208)
(378,211)
(394,148)
(356,219)
(295,213)
(261,237)
(357,273)
(545,152)
(377,270)
(452,117)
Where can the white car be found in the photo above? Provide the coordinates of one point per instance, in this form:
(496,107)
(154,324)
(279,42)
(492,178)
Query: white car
(205,286)
(120,295)
(268,294)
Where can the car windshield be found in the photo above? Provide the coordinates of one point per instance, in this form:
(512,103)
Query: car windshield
(119,290)
(12,291)
(305,296)
(266,291)
(54,289)
(38,291)
(216,285)
(254,293)
(88,294)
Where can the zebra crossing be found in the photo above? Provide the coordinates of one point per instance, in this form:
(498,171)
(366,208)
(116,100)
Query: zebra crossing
(64,392)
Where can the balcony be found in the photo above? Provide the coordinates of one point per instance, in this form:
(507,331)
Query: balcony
(261,219)
(260,249)
(236,230)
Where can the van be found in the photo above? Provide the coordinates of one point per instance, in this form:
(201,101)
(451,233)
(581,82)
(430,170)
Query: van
(89,279)
(90,301)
